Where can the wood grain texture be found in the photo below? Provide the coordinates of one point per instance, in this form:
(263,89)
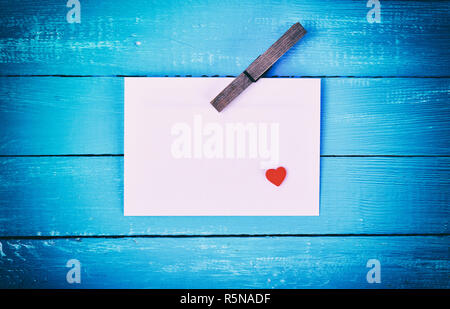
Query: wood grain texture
(262,64)
(61,196)
(359,116)
(230,92)
(303,262)
(197,38)
(76,196)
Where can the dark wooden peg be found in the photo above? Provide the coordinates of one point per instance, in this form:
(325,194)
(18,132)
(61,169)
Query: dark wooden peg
(258,67)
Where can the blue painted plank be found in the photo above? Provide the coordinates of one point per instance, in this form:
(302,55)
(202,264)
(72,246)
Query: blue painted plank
(59,196)
(388,116)
(173,37)
(302,262)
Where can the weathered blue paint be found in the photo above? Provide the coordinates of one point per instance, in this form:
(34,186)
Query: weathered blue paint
(179,37)
(360,116)
(84,196)
(267,262)
(374,113)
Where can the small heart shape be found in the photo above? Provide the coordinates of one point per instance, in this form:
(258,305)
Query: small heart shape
(276,176)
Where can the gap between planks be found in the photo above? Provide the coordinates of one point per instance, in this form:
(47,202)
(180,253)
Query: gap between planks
(233,76)
(322,156)
(222,236)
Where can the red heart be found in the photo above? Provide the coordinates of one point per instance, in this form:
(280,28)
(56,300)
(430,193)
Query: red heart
(276,176)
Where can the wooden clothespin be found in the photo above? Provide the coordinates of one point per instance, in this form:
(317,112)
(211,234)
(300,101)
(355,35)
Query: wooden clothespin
(258,67)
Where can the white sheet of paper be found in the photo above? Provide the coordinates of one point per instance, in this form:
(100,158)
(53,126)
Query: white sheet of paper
(183,158)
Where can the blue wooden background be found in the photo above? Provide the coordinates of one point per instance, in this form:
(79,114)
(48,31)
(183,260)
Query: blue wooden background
(385,154)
